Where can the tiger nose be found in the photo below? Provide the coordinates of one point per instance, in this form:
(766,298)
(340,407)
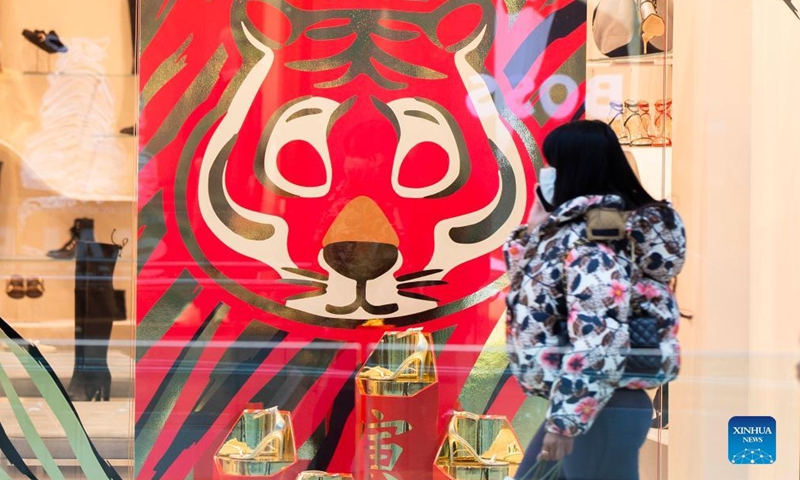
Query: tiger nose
(361,243)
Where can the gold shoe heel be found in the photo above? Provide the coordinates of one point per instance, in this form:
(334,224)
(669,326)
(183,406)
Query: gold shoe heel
(652,24)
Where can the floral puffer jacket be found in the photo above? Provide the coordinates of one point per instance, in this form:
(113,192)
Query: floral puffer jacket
(570,300)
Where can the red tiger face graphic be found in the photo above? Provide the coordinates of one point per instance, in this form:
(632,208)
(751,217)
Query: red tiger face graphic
(383,175)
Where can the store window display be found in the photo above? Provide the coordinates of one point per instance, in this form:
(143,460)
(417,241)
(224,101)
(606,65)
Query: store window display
(67,214)
(316,195)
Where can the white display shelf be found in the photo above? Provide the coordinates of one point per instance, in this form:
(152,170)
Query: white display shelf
(42,182)
(51,262)
(655,169)
(649,60)
(653,436)
(79,74)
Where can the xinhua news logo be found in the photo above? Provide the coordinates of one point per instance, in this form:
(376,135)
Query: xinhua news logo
(751,441)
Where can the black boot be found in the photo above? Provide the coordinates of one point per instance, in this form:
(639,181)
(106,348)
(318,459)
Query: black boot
(82,230)
(95,309)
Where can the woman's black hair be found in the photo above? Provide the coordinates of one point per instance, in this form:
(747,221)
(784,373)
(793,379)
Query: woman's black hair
(589,161)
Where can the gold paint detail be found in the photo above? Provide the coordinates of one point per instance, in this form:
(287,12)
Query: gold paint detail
(153,14)
(575,68)
(362,56)
(558,94)
(232,219)
(514,6)
(383,452)
(197,92)
(339,113)
(165,72)
(373,322)
(422,115)
(361,220)
(304,113)
(488,371)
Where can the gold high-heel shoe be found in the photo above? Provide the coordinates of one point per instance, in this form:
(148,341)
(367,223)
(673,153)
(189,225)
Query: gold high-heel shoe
(271,446)
(633,123)
(458,444)
(616,123)
(652,24)
(663,123)
(410,368)
(504,448)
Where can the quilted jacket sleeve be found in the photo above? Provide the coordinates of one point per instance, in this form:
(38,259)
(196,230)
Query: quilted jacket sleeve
(597,296)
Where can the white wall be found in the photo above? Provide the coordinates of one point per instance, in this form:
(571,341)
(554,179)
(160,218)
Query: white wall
(736,183)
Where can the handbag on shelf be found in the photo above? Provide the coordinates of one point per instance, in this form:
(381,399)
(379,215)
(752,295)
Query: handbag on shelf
(623,28)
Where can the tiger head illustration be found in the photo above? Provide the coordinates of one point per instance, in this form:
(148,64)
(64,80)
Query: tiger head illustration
(381,173)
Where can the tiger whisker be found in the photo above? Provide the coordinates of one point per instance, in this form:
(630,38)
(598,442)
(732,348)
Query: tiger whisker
(417,296)
(418,275)
(423,283)
(306,273)
(313,293)
(304,283)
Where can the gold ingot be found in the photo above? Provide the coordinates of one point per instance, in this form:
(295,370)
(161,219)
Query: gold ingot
(260,443)
(402,365)
(479,447)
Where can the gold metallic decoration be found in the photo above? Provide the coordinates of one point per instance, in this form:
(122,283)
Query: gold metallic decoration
(361,54)
(153,15)
(364,52)
(261,443)
(488,373)
(197,92)
(574,68)
(402,365)
(514,6)
(165,72)
(479,447)
(373,323)
(320,475)
(383,453)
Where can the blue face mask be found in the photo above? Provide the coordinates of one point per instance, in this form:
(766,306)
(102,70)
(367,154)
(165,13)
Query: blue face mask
(547,184)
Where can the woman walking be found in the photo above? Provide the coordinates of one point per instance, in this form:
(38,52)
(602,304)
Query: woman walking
(598,252)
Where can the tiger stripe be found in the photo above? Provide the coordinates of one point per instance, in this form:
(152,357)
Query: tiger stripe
(160,406)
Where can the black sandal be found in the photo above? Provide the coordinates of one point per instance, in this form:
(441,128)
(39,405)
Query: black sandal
(49,42)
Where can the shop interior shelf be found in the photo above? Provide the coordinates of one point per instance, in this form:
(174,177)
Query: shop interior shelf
(78,74)
(107,424)
(53,264)
(650,60)
(654,434)
(655,169)
(9,153)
